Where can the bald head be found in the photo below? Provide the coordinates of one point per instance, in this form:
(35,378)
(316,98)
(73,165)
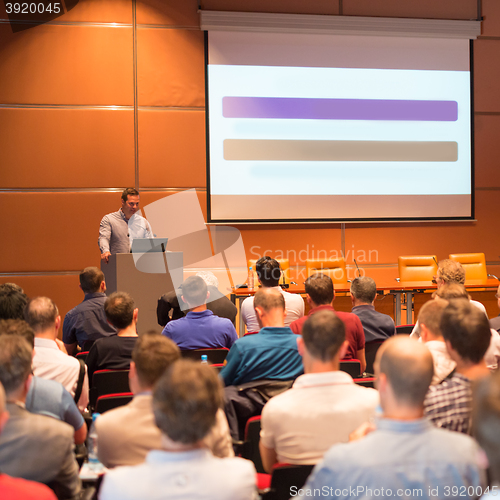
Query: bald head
(41,313)
(268,299)
(409,368)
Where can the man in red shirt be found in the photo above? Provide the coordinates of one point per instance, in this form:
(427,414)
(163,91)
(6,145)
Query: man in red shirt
(320,295)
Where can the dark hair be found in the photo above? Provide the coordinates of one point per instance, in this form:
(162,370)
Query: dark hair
(12,302)
(364,289)
(91,279)
(323,334)
(15,361)
(268,270)
(17,327)
(430,315)
(467,329)
(486,420)
(269,299)
(319,287)
(186,400)
(11,286)
(119,308)
(40,313)
(194,291)
(153,354)
(409,368)
(129,192)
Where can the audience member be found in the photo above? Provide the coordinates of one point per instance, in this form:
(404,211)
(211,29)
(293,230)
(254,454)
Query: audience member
(15,488)
(323,407)
(218,303)
(87,322)
(466,333)
(13,300)
(495,322)
(128,433)
(320,295)
(47,397)
(486,425)
(269,273)
(270,354)
(429,318)
(49,360)
(33,447)
(115,352)
(405,452)
(377,326)
(186,400)
(200,328)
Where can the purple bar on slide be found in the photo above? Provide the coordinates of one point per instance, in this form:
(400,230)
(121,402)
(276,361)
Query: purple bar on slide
(338,109)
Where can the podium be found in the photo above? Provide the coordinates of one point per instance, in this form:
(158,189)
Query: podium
(145,277)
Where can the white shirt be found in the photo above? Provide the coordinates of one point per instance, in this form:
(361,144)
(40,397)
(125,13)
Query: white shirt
(51,363)
(182,476)
(321,409)
(443,364)
(294,304)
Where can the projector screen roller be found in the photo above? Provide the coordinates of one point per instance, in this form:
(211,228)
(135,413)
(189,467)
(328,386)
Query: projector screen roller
(337,128)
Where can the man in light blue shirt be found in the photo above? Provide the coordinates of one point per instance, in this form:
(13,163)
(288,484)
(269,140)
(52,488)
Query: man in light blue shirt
(118,229)
(405,456)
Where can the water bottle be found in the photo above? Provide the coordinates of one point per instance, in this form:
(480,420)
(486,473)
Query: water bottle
(94,463)
(204,359)
(250,278)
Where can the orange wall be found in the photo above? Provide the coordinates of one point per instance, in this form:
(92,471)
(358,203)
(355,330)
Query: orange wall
(68,119)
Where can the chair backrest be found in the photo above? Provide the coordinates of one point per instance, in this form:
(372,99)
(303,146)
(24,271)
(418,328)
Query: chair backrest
(473,263)
(110,401)
(417,267)
(82,355)
(108,382)
(214,356)
(351,366)
(371,349)
(365,382)
(404,329)
(285,268)
(218,366)
(335,268)
(250,449)
(284,478)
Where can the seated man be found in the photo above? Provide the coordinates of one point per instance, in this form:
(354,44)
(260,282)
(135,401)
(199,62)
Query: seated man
(320,295)
(219,304)
(495,322)
(466,332)
(429,318)
(115,352)
(50,361)
(34,447)
(377,326)
(200,328)
(269,274)
(185,404)
(128,433)
(323,407)
(87,322)
(12,301)
(405,451)
(47,397)
(14,488)
(270,354)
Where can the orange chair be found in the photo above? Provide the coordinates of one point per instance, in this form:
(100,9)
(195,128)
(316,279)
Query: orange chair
(285,270)
(417,267)
(474,265)
(335,268)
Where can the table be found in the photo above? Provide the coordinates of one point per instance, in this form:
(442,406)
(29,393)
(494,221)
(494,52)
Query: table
(399,289)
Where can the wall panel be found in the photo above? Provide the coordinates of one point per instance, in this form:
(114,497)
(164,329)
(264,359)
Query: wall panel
(43,148)
(66,65)
(170,67)
(172,148)
(486,75)
(168,12)
(487,147)
(491,18)
(443,9)
(287,6)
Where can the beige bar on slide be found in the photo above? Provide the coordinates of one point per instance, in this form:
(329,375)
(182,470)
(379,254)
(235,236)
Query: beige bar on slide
(287,150)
